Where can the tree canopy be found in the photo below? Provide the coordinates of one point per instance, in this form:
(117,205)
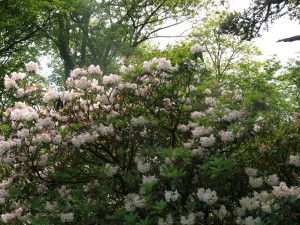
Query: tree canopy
(86,32)
(259,15)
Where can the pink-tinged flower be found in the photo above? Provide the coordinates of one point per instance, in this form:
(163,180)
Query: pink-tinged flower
(50,95)
(20,92)
(210,101)
(200,131)
(95,69)
(207,91)
(147,66)
(207,141)
(7,217)
(111,79)
(18,76)
(140,121)
(21,111)
(82,83)
(9,83)
(78,71)
(197,114)
(31,67)
(226,136)
(256,128)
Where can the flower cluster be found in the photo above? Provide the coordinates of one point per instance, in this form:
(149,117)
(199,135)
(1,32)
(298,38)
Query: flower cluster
(139,146)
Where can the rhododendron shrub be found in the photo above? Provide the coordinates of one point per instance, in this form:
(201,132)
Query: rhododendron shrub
(152,145)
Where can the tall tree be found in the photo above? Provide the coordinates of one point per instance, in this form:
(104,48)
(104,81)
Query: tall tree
(99,32)
(21,26)
(259,15)
(83,32)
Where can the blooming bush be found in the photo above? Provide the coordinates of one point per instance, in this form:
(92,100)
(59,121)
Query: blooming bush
(156,144)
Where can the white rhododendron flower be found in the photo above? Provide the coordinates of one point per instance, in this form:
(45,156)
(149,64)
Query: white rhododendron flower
(256,182)
(251,172)
(66,217)
(226,136)
(31,66)
(168,221)
(272,180)
(171,195)
(221,213)
(207,91)
(207,141)
(189,220)
(95,69)
(149,179)
(197,48)
(207,195)
(110,170)
(294,160)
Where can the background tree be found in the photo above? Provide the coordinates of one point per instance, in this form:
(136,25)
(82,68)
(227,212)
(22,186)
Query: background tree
(87,32)
(21,26)
(259,15)
(289,79)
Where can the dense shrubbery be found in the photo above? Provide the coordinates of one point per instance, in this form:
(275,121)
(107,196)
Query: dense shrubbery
(157,144)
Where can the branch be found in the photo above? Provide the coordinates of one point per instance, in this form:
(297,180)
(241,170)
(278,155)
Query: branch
(290,39)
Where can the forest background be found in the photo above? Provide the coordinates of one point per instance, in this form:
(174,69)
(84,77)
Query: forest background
(204,131)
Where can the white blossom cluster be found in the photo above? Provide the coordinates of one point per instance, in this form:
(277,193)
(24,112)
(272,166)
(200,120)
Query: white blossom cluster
(232,115)
(202,130)
(160,64)
(254,182)
(51,207)
(210,101)
(17,213)
(207,91)
(284,191)
(140,121)
(197,48)
(226,136)
(111,79)
(66,217)
(11,82)
(22,112)
(31,66)
(171,195)
(133,201)
(149,179)
(294,160)
(207,195)
(264,201)
(168,221)
(196,115)
(189,220)
(221,213)
(207,141)
(142,166)
(110,170)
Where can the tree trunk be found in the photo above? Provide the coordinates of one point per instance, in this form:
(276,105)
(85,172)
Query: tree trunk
(63,45)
